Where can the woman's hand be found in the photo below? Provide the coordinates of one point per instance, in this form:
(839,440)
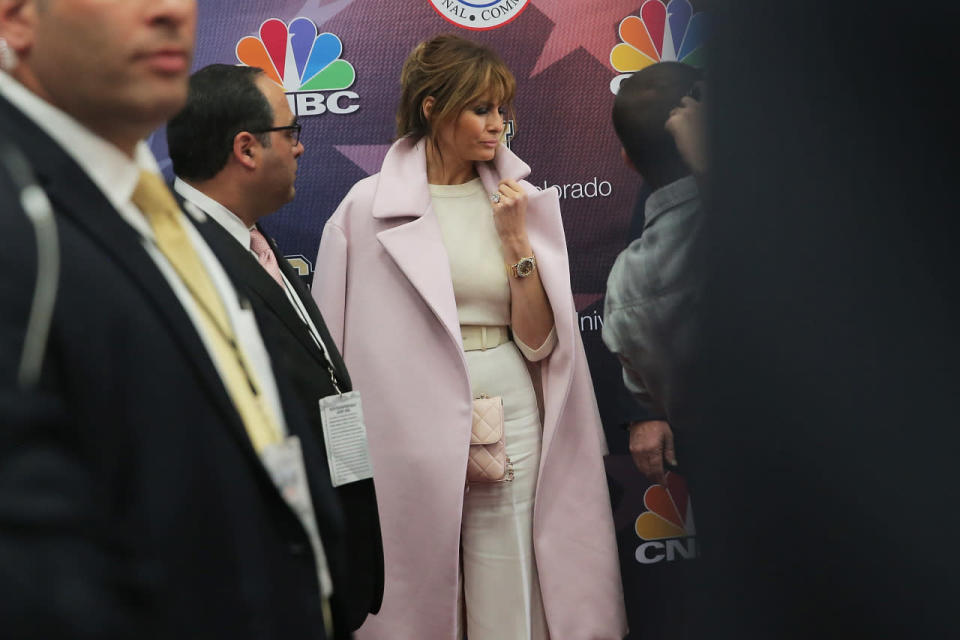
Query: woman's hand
(510,218)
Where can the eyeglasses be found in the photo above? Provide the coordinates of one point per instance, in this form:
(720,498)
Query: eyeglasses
(293,129)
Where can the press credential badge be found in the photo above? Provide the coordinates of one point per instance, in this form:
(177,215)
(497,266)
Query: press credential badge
(346,438)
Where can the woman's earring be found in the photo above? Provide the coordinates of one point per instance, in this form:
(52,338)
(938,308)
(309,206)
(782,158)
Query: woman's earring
(8,57)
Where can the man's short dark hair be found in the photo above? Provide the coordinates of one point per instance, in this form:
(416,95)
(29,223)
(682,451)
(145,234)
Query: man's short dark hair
(642,107)
(223,101)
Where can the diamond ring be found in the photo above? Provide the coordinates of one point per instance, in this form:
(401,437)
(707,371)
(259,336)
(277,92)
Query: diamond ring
(495,197)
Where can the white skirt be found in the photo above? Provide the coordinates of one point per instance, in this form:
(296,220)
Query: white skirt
(501,590)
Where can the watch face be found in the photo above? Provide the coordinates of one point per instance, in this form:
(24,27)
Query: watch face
(525,267)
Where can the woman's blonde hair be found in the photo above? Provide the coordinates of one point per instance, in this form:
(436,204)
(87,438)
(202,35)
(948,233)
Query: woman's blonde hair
(455,71)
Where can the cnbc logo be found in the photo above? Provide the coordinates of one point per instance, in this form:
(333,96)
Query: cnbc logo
(662,32)
(666,527)
(306,64)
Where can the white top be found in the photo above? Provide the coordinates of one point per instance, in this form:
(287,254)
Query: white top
(477,266)
(116,175)
(239,230)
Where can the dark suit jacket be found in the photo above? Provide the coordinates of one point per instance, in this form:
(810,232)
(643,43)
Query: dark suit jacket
(294,351)
(132,503)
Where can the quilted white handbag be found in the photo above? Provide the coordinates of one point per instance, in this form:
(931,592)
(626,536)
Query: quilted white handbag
(487,460)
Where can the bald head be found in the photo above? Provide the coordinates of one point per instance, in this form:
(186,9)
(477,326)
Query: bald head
(640,111)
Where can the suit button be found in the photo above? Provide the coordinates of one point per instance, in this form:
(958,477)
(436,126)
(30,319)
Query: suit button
(297,548)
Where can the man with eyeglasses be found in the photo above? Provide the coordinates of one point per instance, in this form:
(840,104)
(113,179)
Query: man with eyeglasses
(235,148)
(236,143)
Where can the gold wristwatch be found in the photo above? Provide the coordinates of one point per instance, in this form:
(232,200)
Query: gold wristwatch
(522,269)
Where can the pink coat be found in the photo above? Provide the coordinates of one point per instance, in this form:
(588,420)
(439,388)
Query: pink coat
(383,284)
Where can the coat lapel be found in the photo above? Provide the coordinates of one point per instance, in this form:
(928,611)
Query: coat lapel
(416,245)
(66,185)
(247,274)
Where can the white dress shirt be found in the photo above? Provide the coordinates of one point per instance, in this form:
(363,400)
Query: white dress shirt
(116,175)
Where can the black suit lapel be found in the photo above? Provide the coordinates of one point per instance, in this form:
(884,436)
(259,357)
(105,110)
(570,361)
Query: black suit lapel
(249,275)
(340,368)
(78,201)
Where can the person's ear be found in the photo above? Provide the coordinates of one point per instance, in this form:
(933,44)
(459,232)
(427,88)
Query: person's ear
(246,149)
(18,20)
(426,107)
(627,161)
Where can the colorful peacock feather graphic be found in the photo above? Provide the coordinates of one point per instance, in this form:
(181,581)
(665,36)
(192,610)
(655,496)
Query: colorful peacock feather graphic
(669,514)
(662,32)
(296,57)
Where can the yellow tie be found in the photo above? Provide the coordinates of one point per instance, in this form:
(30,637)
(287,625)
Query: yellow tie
(157,204)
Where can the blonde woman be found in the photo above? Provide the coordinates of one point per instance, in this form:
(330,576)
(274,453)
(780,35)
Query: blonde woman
(441,278)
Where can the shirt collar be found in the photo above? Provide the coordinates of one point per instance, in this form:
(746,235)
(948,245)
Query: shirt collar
(669,197)
(226,218)
(114,173)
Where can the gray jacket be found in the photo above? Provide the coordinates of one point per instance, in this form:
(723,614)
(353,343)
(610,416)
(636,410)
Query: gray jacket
(648,317)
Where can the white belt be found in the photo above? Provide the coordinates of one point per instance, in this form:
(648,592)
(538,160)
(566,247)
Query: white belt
(481,338)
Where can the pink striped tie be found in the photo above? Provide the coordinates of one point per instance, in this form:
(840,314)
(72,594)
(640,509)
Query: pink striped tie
(260,246)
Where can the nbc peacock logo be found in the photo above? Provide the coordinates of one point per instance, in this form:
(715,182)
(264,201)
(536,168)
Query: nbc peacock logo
(305,63)
(667,526)
(662,32)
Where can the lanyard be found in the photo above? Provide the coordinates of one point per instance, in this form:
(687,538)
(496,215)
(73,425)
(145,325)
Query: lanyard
(294,299)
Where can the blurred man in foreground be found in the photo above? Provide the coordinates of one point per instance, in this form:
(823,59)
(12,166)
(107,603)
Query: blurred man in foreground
(149,482)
